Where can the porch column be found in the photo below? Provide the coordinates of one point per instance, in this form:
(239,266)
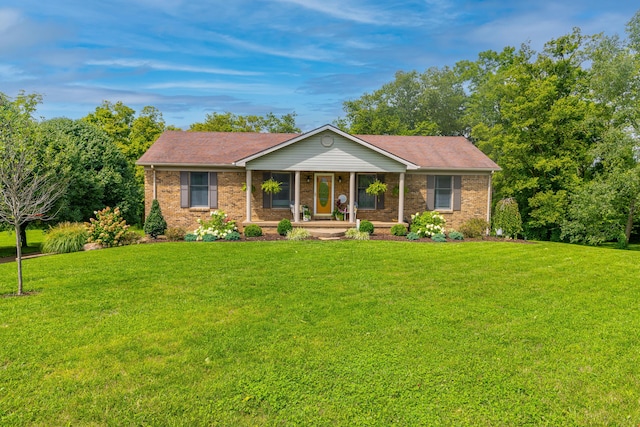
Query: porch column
(401,199)
(352,196)
(296,198)
(248,195)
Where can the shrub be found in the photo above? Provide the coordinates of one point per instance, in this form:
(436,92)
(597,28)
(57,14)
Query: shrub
(155,224)
(366,226)
(354,234)
(507,217)
(456,235)
(218,225)
(253,230)
(234,235)
(209,238)
(130,237)
(298,234)
(399,230)
(474,228)
(64,238)
(175,234)
(427,224)
(107,228)
(413,236)
(190,237)
(439,237)
(284,226)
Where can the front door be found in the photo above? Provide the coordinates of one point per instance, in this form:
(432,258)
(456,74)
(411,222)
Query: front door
(323,194)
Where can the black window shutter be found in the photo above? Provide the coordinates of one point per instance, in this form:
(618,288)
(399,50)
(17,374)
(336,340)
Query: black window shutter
(380,204)
(213,190)
(266,197)
(184,189)
(431,192)
(457,192)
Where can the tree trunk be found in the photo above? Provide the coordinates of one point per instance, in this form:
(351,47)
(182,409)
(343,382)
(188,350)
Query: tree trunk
(19,258)
(629,227)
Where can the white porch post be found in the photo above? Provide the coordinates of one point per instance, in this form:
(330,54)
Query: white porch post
(296,198)
(248,195)
(401,199)
(352,196)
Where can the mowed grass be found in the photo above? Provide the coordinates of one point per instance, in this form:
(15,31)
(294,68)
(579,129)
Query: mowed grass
(8,243)
(323,333)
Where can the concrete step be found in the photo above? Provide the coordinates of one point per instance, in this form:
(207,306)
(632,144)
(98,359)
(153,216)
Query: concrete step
(327,232)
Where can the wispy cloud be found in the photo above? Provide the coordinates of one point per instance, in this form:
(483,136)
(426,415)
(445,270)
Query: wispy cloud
(163,66)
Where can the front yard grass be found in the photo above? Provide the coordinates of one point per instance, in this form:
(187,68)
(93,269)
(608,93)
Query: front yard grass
(323,333)
(8,243)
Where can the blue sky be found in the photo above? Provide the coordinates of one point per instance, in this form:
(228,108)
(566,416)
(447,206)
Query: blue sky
(190,58)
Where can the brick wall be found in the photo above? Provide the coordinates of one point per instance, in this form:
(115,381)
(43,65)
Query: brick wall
(231,198)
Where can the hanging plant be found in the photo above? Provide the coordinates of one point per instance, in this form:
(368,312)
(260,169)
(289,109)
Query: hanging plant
(376,188)
(244,187)
(396,190)
(271,186)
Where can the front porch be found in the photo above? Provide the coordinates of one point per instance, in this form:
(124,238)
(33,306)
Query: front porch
(271,227)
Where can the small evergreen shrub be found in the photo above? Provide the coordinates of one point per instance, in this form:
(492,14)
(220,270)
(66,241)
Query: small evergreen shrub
(439,237)
(190,237)
(64,238)
(366,226)
(175,234)
(456,235)
(413,236)
(298,234)
(108,228)
(474,228)
(234,235)
(354,234)
(399,230)
(253,230)
(506,217)
(284,226)
(155,224)
(427,224)
(209,238)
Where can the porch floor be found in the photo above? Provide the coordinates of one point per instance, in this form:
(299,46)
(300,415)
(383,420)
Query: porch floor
(327,225)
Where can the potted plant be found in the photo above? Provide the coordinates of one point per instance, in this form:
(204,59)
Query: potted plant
(376,188)
(271,186)
(306,213)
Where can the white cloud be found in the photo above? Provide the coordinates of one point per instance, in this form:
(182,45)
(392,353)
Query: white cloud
(139,63)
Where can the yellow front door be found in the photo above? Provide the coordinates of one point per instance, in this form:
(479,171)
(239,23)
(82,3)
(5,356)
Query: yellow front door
(324,194)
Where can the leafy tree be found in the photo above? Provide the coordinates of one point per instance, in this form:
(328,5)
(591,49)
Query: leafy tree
(430,103)
(506,218)
(28,188)
(229,122)
(99,174)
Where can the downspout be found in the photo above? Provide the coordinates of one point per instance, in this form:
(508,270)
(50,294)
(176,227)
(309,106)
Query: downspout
(155,191)
(489,194)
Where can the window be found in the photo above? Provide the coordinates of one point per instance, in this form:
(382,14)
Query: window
(198,189)
(283,198)
(443,192)
(369,201)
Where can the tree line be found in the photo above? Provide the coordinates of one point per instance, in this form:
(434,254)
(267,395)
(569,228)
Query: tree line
(562,123)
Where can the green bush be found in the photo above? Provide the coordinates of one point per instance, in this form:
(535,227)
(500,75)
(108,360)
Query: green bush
(427,224)
(506,217)
(155,224)
(474,228)
(456,235)
(354,234)
(209,238)
(399,230)
(218,225)
(298,234)
(366,226)
(234,235)
(284,226)
(175,234)
(64,238)
(439,237)
(413,236)
(107,228)
(253,230)
(190,237)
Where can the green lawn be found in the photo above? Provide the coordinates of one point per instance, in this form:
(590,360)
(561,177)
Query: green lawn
(323,333)
(8,243)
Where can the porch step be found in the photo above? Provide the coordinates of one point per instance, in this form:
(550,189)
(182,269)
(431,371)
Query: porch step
(323,233)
